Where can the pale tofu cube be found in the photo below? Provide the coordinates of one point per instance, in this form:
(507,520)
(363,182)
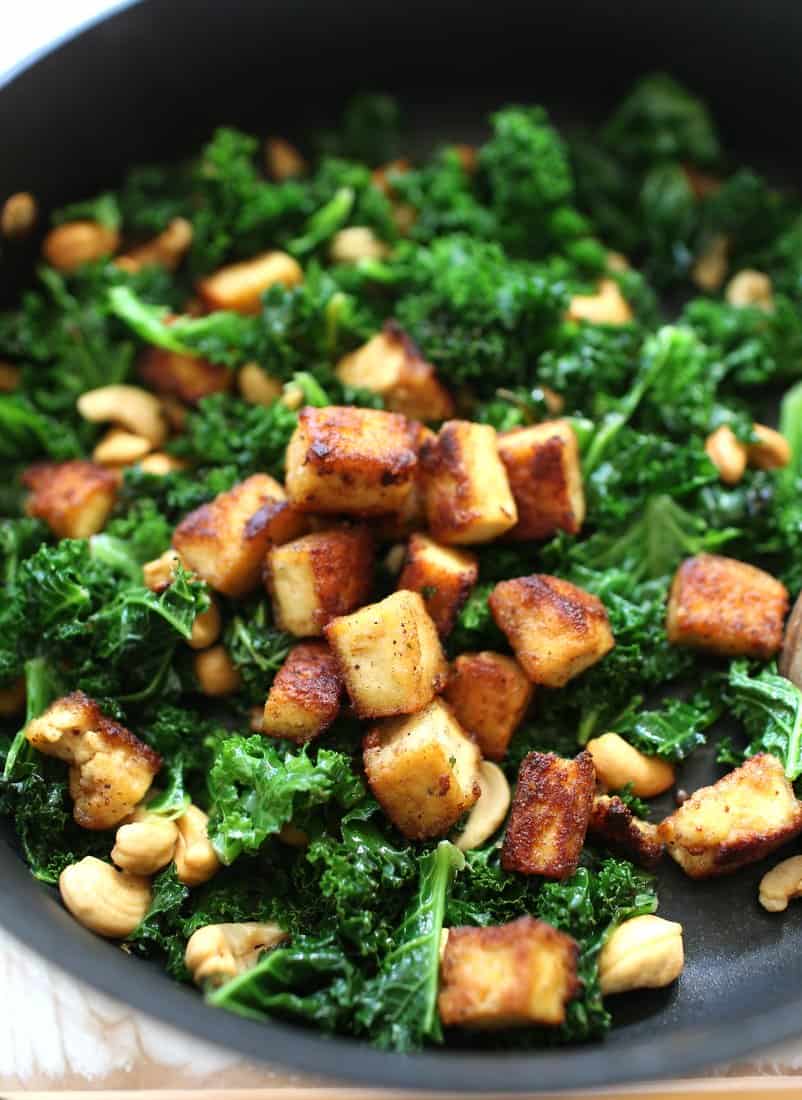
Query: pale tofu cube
(423,770)
(739,820)
(490,695)
(225,541)
(443,576)
(317,577)
(240,286)
(391,365)
(466,491)
(726,607)
(389,656)
(304,698)
(353,461)
(183,376)
(73,498)
(550,814)
(542,464)
(519,974)
(613,825)
(555,629)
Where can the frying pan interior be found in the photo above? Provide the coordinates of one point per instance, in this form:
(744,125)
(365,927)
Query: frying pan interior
(149,83)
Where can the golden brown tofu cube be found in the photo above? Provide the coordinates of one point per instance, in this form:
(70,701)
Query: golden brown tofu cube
(739,820)
(391,365)
(549,816)
(317,577)
(239,287)
(225,541)
(73,498)
(614,825)
(111,770)
(305,696)
(183,376)
(555,629)
(542,464)
(352,461)
(726,607)
(489,694)
(423,770)
(443,576)
(508,975)
(467,494)
(389,656)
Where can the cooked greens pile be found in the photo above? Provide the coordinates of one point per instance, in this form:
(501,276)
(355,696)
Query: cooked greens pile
(482,256)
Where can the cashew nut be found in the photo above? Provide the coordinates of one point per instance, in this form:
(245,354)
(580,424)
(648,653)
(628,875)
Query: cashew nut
(195,858)
(129,406)
(443,941)
(292,836)
(710,269)
(110,902)
(356,243)
(68,246)
(159,463)
(618,763)
(206,628)
(282,160)
(750,288)
(607,307)
(772,452)
(643,953)
(215,672)
(488,811)
(555,403)
(160,573)
(167,249)
(10,377)
(145,844)
(218,952)
(780,884)
(727,454)
(617,261)
(120,448)
(256,386)
(18,216)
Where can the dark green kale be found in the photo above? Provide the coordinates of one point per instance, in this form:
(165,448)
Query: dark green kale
(370,130)
(257,647)
(484,893)
(770,707)
(443,195)
(674,730)
(227,431)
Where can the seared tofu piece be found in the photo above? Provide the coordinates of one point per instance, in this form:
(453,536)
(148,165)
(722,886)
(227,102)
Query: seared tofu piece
(727,607)
(391,365)
(317,577)
(489,694)
(111,770)
(550,815)
(225,541)
(510,975)
(183,376)
(353,461)
(389,656)
(614,825)
(739,820)
(305,696)
(443,576)
(466,491)
(239,287)
(543,470)
(423,770)
(555,629)
(73,498)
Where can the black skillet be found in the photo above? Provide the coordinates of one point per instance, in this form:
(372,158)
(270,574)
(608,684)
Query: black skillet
(148,83)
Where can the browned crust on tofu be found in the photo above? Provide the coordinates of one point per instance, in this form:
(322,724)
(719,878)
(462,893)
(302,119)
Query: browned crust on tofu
(183,376)
(73,498)
(444,590)
(545,479)
(489,694)
(309,682)
(549,816)
(726,607)
(419,393)
(613,823)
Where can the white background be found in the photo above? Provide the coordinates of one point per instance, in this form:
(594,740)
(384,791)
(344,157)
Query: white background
(27,25)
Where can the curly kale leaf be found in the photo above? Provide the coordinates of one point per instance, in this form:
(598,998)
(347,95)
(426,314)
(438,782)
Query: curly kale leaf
(227,431)
(257,648)
(770,707)
(673,731)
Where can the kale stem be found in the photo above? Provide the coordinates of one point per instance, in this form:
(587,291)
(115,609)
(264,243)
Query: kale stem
(39,693)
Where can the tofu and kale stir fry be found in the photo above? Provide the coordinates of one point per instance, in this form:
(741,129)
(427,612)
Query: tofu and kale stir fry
(380,536)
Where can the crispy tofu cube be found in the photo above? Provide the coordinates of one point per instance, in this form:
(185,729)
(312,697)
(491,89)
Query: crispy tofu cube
(111,770)
(391,365)
(489,694)
(423,770)
(317,577)
(555,629)
(225,541)
(183,376)
(352,461)
(443,576)
(239,287)
(739,820)
(726,607)
(389,656)
(508,975)
(542,464)
(550,814)
(73,498)
(305,696)
(467,494)
(614,825)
